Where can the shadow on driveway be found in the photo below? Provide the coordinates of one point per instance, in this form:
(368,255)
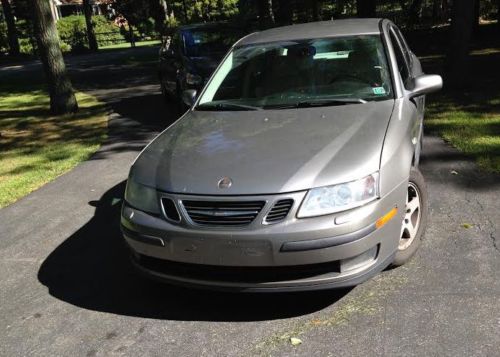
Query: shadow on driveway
(91,270)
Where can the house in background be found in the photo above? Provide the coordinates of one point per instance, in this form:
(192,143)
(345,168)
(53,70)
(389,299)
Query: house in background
(63,8)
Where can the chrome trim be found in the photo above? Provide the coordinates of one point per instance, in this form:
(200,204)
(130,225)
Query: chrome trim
(269,201)
(227,199)
(176,208)
(265,222)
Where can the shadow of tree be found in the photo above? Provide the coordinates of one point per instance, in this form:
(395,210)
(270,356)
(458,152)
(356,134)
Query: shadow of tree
(91,270)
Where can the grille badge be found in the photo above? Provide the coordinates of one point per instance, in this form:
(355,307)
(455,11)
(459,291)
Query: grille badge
(224,182)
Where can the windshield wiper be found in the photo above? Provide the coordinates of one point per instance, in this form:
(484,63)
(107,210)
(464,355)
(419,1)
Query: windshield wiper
(317,103)
(225,106)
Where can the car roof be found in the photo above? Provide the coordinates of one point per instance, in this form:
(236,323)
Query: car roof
(333,28)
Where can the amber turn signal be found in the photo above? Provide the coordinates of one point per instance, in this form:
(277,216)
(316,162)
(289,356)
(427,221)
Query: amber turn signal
(386,218)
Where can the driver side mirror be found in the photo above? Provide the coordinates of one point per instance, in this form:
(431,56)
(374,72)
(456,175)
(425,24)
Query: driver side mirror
(425,84)
(189,97)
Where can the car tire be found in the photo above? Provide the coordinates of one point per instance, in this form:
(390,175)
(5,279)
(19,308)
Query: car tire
(415,218)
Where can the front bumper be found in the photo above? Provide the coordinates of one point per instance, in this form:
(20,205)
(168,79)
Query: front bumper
(296,254)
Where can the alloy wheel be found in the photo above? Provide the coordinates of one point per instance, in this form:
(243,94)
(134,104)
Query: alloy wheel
(411,220)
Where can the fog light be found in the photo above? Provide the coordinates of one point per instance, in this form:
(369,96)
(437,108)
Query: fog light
(364,259)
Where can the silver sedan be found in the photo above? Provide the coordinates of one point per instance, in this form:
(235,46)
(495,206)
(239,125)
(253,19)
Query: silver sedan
(295,168)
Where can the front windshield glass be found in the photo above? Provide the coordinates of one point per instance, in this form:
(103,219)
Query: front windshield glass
(209,42)
(326,71)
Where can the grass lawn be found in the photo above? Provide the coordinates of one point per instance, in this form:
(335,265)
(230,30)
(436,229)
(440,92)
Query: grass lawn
(36,147)
(470,119)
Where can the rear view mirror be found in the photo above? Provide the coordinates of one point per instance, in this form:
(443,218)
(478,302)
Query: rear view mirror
(189,97)
(425,84)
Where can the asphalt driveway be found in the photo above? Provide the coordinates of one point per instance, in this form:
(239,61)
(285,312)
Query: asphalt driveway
(66,287)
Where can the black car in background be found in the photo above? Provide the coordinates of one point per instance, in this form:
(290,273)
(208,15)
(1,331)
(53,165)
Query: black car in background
(189,55)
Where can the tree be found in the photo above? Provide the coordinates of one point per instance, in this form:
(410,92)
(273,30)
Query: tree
(62,97)
(462,21)
(87,9)
(266,14)
(284,13)
(11,28)
(366,8)
(498,15)
(414,12)
(315,9)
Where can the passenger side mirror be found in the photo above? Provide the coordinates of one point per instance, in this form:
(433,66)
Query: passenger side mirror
(189,97)
(425,84)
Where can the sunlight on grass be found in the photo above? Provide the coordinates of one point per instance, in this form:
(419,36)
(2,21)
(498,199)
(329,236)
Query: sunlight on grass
(36,147)
(471,128)
(127,45)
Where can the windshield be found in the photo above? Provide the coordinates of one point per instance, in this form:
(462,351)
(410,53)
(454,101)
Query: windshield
(329,71)
(209,42)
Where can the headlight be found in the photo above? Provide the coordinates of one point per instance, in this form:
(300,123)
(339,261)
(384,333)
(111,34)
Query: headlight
(193,79)
(141,197)
(330,199)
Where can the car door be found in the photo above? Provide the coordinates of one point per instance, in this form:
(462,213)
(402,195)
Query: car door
(408,69)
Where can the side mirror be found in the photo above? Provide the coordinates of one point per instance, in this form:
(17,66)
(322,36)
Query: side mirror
(425,84)
(189,97)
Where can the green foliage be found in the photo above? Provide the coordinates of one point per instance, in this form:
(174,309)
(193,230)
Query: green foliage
(73,33)
(211,10)
(4,43)
(147,28)
(107,32)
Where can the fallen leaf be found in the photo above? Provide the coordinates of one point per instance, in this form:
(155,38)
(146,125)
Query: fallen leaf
(295,341)
(466,225)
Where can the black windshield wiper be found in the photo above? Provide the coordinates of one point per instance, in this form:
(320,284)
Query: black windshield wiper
(225,106)
(328,102)
(317,103)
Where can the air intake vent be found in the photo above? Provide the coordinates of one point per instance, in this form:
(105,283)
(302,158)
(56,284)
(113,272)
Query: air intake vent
(223,213)
(170,209)
(279,211)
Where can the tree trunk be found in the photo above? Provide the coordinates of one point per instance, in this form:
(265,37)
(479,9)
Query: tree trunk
(414,12)
(498,15)
(366,8)
(315,9)
(266,14)
(462,21)
(477,14)
(284,13)
(131,35)
(87,9)
(11,28)
(62,97)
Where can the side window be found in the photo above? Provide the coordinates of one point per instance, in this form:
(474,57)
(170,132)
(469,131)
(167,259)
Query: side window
(400,59)
(176,43)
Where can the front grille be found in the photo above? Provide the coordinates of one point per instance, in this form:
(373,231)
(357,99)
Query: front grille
(279,211)
(170,209)
(223,213)
(235,274)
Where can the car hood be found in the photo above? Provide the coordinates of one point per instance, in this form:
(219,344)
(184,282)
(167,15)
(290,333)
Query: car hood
(265,152)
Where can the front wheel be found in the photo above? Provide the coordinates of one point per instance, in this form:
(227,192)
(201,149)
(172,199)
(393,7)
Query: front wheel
(415,218)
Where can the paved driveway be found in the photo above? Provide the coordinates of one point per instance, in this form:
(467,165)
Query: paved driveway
(66,287)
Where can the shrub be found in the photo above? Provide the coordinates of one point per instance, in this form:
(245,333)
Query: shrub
(73,32)
(107,33)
